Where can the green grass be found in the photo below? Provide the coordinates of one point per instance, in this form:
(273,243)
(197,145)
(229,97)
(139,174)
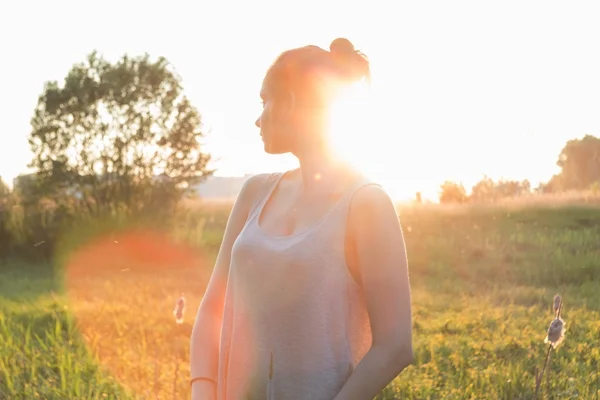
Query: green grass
(483,280)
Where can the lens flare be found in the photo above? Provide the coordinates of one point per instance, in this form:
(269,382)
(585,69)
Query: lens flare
(121,289)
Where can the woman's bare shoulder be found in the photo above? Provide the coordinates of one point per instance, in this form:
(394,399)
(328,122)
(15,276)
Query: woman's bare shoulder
(252,188)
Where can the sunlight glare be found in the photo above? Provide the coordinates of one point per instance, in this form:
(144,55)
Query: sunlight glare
(359,135)
(349,124)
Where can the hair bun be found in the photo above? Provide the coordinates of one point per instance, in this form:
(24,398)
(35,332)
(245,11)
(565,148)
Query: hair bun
(352,64)
(342,46)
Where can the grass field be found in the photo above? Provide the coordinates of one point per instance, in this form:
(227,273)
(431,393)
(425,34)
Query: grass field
(101,324)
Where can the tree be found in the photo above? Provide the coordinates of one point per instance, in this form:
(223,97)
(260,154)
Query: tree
(484,190)
(488,190)
(452,193)
(115,135)
(5,236)
(579,161)
(4,189)
(554,185)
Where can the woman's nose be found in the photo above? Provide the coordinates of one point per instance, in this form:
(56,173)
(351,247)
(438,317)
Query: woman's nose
(257,122)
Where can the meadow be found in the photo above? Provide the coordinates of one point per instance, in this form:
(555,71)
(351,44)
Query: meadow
(99,322)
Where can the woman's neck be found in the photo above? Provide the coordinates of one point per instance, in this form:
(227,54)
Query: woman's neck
(319,170)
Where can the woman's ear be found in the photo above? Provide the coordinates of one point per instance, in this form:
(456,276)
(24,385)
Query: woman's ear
(290,105)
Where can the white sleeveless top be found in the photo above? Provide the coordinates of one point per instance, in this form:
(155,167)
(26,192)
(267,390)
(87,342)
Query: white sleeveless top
(295,322)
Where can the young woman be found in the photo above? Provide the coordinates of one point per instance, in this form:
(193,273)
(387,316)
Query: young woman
(310,295)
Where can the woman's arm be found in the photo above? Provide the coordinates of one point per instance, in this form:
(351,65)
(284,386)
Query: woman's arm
(205,337)
(377,238)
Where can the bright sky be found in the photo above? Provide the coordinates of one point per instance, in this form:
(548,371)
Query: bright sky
(462,88)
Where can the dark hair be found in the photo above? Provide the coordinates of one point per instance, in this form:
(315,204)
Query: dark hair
(297,69)
(352,63)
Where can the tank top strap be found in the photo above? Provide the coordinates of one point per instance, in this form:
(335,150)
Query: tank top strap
(362,182)
(343,207)
(266,190)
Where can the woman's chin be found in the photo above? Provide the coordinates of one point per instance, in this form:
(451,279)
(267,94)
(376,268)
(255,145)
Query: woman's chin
(273,150)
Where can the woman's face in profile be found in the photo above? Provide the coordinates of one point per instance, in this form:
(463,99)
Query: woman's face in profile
(274,122)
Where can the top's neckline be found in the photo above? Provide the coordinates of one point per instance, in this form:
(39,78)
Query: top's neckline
(307,230)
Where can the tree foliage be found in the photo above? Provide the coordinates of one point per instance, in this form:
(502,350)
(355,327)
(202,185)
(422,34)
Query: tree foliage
(117,135)
(579,161)
(451,192)
(486,190)
(4,189)
(489,190)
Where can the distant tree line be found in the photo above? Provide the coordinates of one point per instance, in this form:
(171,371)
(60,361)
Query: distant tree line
(579,163)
